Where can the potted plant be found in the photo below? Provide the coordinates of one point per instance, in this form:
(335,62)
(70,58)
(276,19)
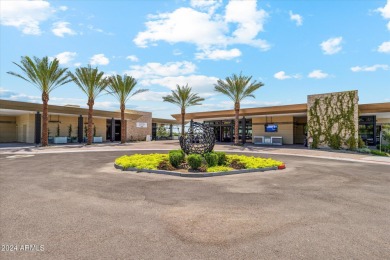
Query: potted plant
(60,139)
(70,130)
(96,139)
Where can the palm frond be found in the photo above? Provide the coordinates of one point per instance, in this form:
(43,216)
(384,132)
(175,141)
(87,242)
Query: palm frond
(43,74)
(183,97)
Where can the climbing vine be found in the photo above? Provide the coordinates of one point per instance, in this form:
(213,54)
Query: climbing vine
(332,120)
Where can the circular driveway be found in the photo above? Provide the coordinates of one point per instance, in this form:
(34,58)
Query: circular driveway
(77,206)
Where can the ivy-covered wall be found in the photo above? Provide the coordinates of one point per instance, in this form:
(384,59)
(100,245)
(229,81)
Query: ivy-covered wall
(333,120)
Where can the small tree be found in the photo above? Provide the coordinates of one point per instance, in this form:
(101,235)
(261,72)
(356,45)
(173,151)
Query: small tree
(46,76)
(183,97)
(237,88)
(58,130)
(70,130)
(162,131)
(386,133)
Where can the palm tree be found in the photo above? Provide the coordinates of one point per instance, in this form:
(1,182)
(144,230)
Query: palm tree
(92,83)
(183,97)
(121,88)
(237,87)
(46,76)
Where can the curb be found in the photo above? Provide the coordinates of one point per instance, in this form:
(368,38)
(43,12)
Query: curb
(196,175)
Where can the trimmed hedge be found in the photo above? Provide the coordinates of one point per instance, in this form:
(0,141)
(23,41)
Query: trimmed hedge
(211,159)
(176,157)
(221,158)
(194,161)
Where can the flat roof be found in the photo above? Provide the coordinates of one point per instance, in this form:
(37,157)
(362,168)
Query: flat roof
(276,110)
(64,110)
(165,121)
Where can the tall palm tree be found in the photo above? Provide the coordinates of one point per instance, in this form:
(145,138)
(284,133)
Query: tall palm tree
(122,88)
(237,87)
(46,76)
(183,97)
(92,82)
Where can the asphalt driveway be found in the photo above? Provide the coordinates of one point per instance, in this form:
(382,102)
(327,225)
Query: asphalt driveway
(77,206)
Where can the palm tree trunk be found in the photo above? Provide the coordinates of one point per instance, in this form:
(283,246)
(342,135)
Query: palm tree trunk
(183,114)
(45,134)
(90,113)
(123,124)
(236,121)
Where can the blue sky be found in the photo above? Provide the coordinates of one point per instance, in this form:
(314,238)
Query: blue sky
(296,48)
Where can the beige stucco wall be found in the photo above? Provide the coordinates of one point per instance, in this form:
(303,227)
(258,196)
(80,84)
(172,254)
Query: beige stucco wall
(380,121)
(8,130)
(135,133)
(25,121)
(285,127)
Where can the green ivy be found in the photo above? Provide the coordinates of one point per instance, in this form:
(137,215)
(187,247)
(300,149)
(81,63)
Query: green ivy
(335,109)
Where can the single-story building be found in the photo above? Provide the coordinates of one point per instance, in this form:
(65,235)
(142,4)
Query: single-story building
(291,124)
(21,122)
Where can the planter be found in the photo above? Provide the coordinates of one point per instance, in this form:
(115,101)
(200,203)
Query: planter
(97,139)
(60,140)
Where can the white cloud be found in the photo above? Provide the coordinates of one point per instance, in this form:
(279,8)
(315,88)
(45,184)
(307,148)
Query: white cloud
(384,47)
(318,74)
(66,57)
(61,28)
(199,83)
(281,75)
(332,45)
(155,69)
(218,54)
(206,30)
(77,64)
(297,18)
(132,58)
(150,96)
(99,59)
(385,12)
(207,5)
(25,15)
(63,8)
(370,68)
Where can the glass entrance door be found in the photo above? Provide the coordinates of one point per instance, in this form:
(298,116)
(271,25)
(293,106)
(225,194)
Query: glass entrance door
(226,134)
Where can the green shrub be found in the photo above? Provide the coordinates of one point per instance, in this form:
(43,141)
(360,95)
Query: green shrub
(194,161)
(211,159)
(221,158)
(176,157)
(141,161)
(361,143)
(376,152)
(335,142)
(383,147)
(219,169)
(351,143)
(363,150)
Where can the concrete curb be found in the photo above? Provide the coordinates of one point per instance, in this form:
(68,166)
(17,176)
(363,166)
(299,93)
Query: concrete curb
(196,175)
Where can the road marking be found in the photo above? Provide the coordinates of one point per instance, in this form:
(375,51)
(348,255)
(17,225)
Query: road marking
(19,156)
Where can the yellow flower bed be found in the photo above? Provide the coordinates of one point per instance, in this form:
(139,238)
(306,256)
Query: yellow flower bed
(141,161)
(252,162)
(219,169)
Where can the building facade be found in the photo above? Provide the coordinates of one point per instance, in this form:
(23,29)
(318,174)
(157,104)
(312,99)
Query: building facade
(292,124)
(22,122)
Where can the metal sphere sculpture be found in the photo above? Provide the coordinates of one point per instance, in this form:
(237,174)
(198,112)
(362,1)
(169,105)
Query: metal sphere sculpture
(200,139)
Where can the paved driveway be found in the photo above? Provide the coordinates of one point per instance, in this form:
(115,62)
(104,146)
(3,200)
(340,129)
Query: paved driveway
(77,206)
